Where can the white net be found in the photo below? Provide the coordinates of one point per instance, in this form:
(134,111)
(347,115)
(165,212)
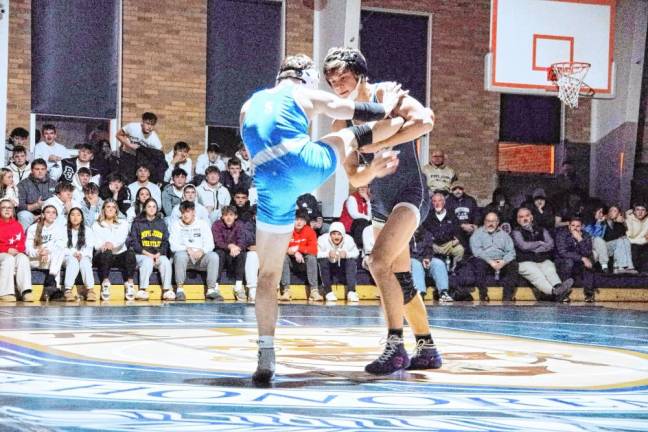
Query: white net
(569,79)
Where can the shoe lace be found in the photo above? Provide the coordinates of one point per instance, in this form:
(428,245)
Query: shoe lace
(422,345)
(391,346)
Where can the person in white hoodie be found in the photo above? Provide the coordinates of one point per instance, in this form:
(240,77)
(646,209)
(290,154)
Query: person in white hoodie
(213,157)
(143,174)
(192,244)
(189,194)
(212,194)
(62,200)
(637,223)
(337,252)
(43,249)
(77,240)
(111,234)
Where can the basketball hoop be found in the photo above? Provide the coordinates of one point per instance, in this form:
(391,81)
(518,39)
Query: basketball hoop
(568,76)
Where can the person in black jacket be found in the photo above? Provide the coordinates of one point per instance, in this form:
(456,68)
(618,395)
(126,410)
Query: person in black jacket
(574,255)
(114,188)
(444,229)
(234,177)
(149,238)
(464,208)
(70,166)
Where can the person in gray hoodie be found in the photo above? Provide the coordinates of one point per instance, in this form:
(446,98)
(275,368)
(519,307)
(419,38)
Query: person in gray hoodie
(33,192)
(172,193)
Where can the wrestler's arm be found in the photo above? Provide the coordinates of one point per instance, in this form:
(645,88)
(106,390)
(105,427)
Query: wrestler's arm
(320,102)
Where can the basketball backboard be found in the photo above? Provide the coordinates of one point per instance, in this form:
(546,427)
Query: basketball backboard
(528,36)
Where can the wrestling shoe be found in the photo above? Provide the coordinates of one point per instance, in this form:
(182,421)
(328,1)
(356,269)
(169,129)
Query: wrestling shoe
(265,366)
(393,359)
(425,356)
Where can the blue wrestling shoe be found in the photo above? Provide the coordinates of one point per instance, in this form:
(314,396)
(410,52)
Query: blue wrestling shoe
(425,356)
(393,359)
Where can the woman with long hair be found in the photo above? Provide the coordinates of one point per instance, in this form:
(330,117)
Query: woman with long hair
(7,187)
(78,243)
(111,251)
(44,251)
(143,195)
(149,238)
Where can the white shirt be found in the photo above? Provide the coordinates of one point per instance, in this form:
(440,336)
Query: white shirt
(85,250)
(135,134)
(203,162)
(246,165)
(201,213)
(44,151)
(115,233)
(50,238)
(186,165)
(60,207)
(156,193)
(197,235)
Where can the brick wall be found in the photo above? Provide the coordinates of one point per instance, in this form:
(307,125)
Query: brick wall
(525,158)
(19,86)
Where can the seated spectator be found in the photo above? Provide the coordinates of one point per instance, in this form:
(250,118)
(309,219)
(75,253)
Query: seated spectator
(44,251)
(595,224)
(504,209)
(72,165)
(213,157)
(114,188)
(110,235)
(544,215)
(143,180)
(444,230)
(572,207)
(213,194)
(33,192)
(8,189)
(337,253)
(245,211)
(77,242)
(618,245)
(423,262)
(575,256)
(51,152)
(189,194)
(149,239)
(19,164)
(136,134)
(229,239)
(79,181)
(637,224)
(439,176)
(534,248)
(178,158)
(234,177)
(19,137)
(244,156)
(192,244)
(302,257)
(172,193)
(62,200)
(251,259)
(142,196)
(493,253)
(464,208)
(91,204)
(15,271)
(357,209)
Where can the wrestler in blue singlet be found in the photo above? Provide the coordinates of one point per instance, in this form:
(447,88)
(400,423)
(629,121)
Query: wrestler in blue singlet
(286,162)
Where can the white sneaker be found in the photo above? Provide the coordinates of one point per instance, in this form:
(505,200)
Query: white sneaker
(168,295)
(239,291)
(352,297)
(251,294)
(330,297)
(105,290)
(142,294)
(129,291)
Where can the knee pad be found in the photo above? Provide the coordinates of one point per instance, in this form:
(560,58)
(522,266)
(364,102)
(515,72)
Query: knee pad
(407,285)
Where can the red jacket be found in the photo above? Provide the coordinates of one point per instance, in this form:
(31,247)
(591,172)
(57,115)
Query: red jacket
(12,235)
(346,218)
(306,239)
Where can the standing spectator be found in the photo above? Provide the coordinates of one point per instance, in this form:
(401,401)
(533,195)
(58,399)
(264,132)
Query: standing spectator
(617,242)
(444,230)
(15,271)
(115,189)
(33,192)
(439,175)
(504,209)
(189,194)
(178,158)
(234,177)
(574,255)
(192,243)
(51,151)
(77,242)
(212,194)
(143,195)
(244,209)
(464,208)
(213,157)
(19,137)
(493,253)
(62,200)
(91,204)
(20,164)
(133,135)
(301,256)
(149,239)
(534,250)
(111,234)
(44,251)
(143,180)
(229,241)
(637,224)
(357,209)
(8,189)
(172,193)
(244,157)
(337,253)
(72,165)
(543,212)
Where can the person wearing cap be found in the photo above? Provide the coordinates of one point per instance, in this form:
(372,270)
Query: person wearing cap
(439,175)
(543,212)
(637,223)
(213,194)
(337,253)
(172,193)
(463,207)
(229,240)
